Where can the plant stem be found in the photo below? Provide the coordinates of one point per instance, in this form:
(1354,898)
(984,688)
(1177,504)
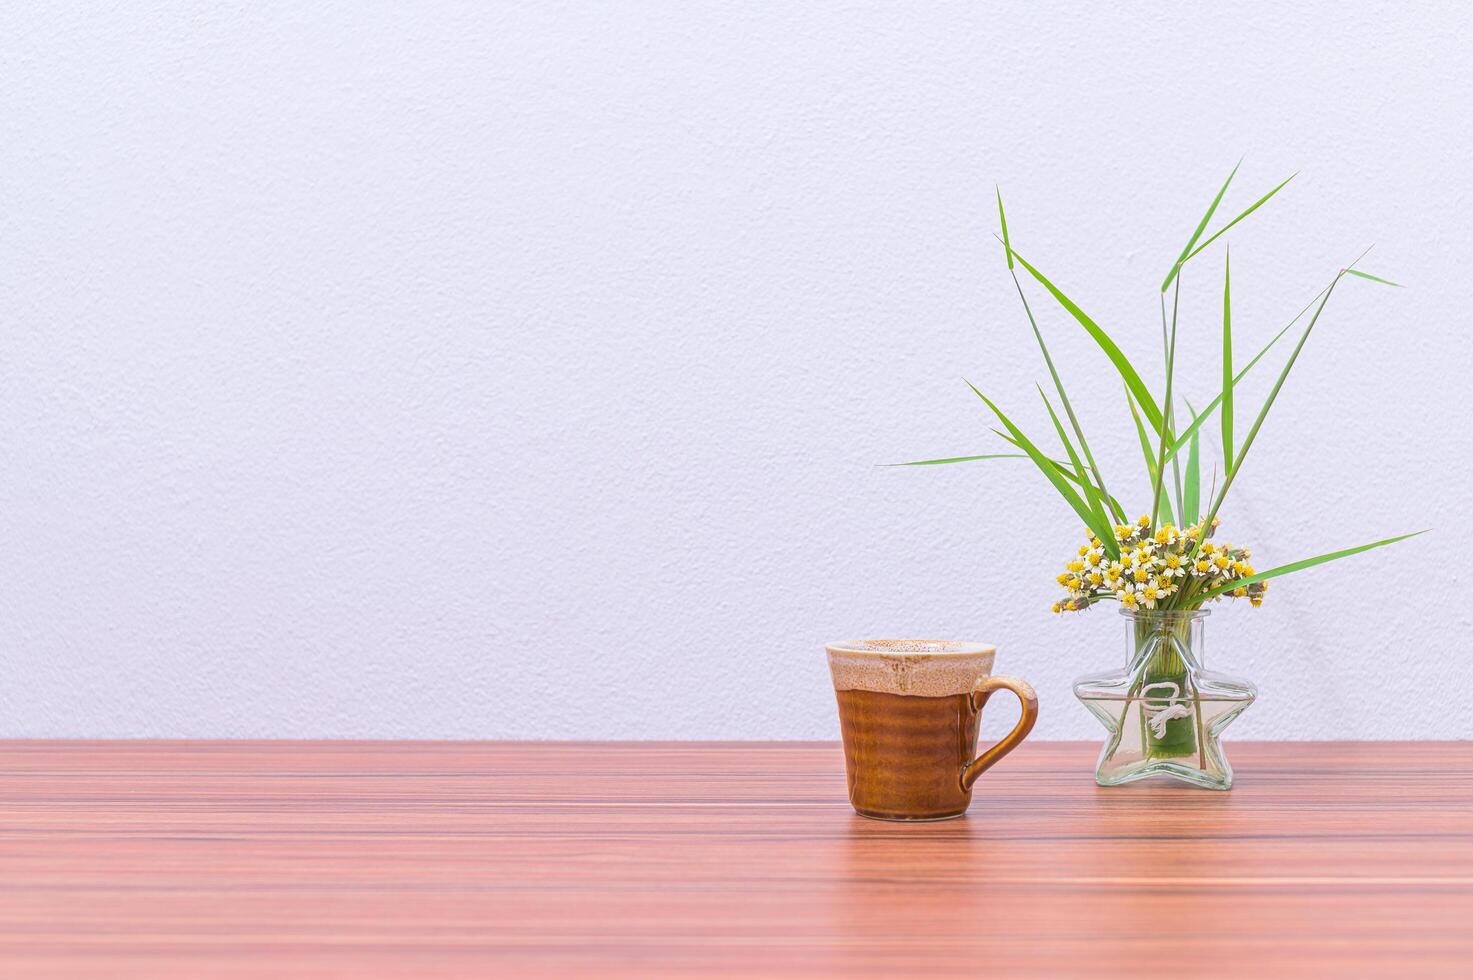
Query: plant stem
(1165,665)
(1165,432)
(1166,352)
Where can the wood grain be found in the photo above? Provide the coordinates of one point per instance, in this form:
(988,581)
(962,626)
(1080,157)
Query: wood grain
(230,859)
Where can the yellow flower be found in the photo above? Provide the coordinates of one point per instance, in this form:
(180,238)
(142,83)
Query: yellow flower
(1152,565)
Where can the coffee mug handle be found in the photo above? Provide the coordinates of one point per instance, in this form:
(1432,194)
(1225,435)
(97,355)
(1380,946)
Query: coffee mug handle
(984,690)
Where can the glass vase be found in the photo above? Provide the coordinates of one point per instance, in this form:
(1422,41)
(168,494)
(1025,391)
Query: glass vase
(1165,712)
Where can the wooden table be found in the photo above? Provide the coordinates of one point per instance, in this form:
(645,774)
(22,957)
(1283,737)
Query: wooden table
(188,859)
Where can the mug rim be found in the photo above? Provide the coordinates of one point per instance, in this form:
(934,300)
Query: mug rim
(927,647)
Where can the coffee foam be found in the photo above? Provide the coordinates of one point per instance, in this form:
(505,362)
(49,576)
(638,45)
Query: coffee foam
(911,668)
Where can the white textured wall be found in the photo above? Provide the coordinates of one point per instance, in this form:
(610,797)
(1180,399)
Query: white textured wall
(518,369)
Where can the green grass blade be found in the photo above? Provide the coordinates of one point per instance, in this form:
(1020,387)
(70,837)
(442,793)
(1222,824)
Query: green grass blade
(1002,216)
(1192,505)
(1227,358)
(958,459)
(1181,442)
(1273,394)
(1159,505)
(1112,503)
(1251,208)
(1092,495)
(1050,472)
(1181,508)
(1074,461)
(1233,467)
(1064,397)
(1063,463)
(1201,226)
(1367,275)
(1171,415)
(1112,351)
(1300,565)
(1062,466)
(1163,512)
(1140,431)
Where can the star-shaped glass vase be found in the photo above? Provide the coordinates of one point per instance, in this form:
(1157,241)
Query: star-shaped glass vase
(1165,713)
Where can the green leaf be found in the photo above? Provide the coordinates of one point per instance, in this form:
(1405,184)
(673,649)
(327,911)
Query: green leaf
(1273,394)
(1181,506)
(1300,565)
(1063,467)
(1181,442)
(1192,506)
(1112,351)
(1063,395)
(1367,275)
(1094,497)
(1227,360)
(1163,513)
(1050,472)
(1001,216)
(1140,431)
(1074,460)
(1251,208)
(1232,468)
(1159,505)
(1201,226)
(1074,479)
(1171,418)
(958,459)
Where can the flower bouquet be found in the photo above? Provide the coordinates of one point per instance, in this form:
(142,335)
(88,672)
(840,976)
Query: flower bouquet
(1164,711)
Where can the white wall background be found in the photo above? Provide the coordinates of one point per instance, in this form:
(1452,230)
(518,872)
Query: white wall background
(519,369)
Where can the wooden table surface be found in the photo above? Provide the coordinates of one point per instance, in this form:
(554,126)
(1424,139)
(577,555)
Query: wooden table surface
(360,859)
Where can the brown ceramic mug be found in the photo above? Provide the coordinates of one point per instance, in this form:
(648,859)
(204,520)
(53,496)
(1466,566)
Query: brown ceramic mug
(909,711)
